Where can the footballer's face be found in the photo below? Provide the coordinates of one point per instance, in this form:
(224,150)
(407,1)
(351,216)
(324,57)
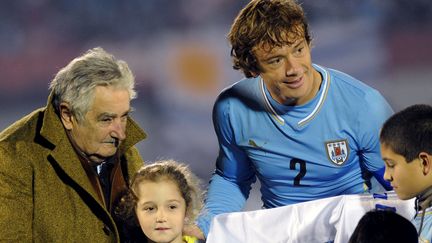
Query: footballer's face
(407,177)
(288,72)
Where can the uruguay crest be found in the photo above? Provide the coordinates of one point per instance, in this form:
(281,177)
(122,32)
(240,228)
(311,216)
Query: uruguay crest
(337,151)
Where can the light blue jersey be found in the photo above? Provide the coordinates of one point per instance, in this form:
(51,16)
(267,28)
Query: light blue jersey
(299,153)
(426,232)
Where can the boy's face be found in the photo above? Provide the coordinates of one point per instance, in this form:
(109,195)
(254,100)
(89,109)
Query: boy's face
(161,211)
(287,71)
(407,177)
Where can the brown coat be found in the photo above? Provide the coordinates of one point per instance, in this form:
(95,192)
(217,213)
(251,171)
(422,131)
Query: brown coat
(45,194)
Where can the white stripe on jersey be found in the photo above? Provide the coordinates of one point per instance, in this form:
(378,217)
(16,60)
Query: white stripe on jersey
(269,106)
(325,88)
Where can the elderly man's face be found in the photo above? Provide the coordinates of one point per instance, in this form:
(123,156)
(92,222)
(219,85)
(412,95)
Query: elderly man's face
(104,125)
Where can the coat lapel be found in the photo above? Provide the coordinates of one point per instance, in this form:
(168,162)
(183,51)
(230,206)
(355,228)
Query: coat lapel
(63,153)
(65,156)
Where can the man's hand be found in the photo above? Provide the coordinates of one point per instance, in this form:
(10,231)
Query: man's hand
(193,230)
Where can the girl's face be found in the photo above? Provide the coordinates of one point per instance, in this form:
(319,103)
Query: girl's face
(161,211)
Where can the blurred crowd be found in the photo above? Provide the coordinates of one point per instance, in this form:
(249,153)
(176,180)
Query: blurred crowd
(180,56)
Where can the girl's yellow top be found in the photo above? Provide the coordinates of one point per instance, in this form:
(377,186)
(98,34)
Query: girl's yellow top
(189,239)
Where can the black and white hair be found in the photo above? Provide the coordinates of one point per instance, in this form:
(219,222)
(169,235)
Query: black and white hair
(75,83)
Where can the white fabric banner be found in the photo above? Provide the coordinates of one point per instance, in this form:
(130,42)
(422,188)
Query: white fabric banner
(323,221)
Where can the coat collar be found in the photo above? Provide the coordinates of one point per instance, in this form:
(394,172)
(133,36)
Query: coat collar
(63,156)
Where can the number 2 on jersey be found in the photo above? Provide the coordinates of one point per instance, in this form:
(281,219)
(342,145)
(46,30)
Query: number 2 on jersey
(302,171)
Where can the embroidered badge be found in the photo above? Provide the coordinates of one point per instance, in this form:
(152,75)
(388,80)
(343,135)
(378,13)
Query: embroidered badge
(337,151)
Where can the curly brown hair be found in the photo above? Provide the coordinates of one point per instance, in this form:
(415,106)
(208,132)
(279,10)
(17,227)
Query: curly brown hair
(265,22)
(187,183)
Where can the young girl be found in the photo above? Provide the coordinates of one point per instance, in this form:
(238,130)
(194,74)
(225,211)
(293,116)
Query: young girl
(163,197)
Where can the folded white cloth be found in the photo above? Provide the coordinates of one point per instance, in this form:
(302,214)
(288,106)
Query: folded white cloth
(326,220)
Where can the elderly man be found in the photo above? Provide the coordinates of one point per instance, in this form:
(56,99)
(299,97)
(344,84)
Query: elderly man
(62,167)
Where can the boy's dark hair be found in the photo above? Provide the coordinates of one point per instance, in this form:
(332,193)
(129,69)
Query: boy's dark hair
(409,131)
(384,226)
(272,22)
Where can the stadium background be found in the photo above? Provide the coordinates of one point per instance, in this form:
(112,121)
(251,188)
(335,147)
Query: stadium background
(178,52)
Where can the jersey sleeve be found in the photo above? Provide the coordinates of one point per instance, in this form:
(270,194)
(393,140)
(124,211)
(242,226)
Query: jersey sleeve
(232,163)
(231,183)
(372,116)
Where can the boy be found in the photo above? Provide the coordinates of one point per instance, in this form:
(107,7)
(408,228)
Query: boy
(406,148)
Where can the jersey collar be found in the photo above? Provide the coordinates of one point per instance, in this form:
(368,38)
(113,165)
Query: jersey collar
(322,95)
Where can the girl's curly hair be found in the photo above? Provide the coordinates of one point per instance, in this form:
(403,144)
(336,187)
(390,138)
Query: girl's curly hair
(188,185)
